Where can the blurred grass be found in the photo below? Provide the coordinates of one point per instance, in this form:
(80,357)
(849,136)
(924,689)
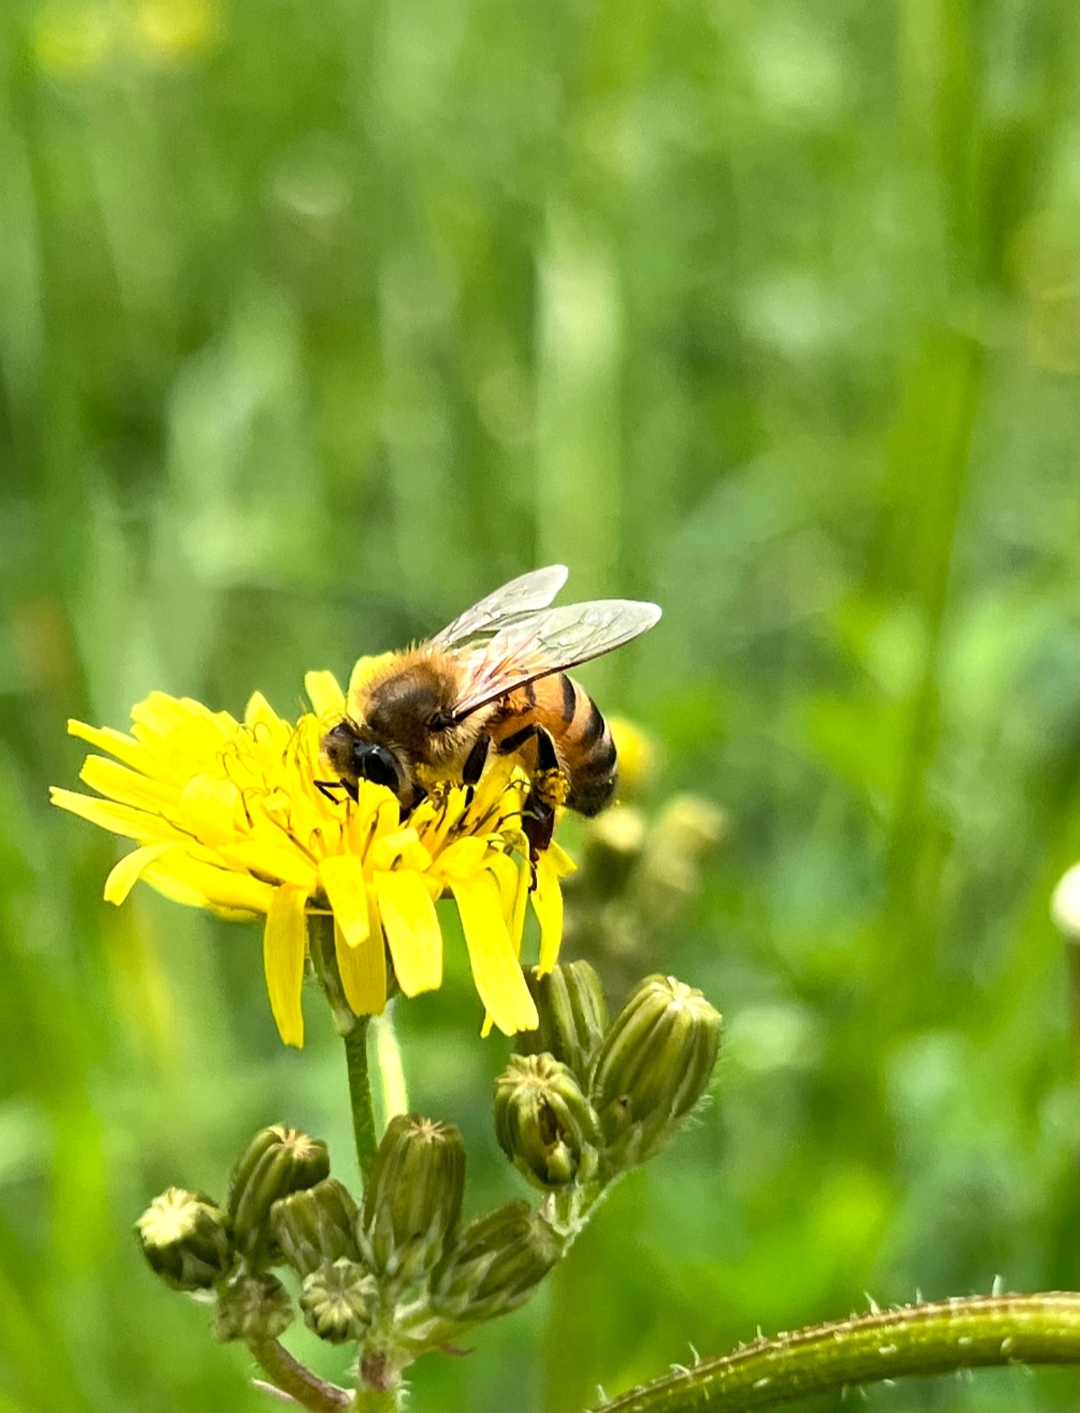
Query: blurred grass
(316,322)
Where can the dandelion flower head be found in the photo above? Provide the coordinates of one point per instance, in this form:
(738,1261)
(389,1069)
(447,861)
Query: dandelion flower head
(227,815)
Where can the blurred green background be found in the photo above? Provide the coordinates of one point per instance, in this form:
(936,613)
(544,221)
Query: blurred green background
(319,319)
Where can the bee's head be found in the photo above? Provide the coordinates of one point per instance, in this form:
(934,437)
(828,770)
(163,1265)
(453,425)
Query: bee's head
(355,759)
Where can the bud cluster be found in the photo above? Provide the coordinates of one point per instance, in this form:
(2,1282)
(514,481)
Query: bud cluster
(399,1273)
(599,1099)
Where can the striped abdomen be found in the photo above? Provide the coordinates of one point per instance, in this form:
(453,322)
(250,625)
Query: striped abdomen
(576,726)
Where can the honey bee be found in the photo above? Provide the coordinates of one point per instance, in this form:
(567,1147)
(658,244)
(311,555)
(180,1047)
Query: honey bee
(493,681)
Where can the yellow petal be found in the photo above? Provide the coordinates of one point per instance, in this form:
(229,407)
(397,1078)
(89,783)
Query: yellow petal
(282,861)
(548,906)
(118,819)
(412,930)
(324,694)
(509,877)
(222,888)
(367,667)
(495,969)
(563,864)
(487,797)
(284,945)
(377,813)
(342,880)
(117,743)
(463,858)
(517,923)
(129,870)
(363,972)
(128,787)
(259,712)
(159,714)
(179,890)
(402,846)
(209,809)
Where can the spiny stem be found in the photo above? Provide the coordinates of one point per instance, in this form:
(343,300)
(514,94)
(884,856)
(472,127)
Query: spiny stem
(297,1380)
(917,1340)
(363,1115)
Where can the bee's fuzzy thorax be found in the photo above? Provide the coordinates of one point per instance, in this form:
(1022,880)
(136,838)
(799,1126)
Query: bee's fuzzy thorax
(398,703)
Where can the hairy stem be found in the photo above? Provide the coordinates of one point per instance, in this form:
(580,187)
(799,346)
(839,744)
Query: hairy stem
(295,1379)
(917,1340)
(363,1115)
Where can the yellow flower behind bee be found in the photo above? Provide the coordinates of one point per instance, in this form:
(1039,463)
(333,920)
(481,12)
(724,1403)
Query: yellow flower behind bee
(227,815)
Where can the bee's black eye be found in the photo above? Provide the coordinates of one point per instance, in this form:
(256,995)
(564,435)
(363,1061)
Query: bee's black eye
(375,763)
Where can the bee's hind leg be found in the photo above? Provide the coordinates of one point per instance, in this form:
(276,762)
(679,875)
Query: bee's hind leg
(548,791)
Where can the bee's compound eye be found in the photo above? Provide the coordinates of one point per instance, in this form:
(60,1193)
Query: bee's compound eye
(375,763)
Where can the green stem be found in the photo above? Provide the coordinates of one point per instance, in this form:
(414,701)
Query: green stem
(917,1340)
(363,1115)
(295,1379)
(374,1400)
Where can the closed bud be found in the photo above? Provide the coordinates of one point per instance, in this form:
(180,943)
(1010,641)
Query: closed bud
(413,1197)
(339,1301)
(185,1238)
(573,1016)
(253,1309)
(653,1067)
(315,1226)
(496,1264)
(277,1162)
(544,1123)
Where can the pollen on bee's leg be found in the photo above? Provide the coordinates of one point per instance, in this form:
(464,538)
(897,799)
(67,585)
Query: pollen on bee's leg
(551,786)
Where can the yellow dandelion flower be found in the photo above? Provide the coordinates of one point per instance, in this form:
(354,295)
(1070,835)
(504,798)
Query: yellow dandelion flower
(227,815)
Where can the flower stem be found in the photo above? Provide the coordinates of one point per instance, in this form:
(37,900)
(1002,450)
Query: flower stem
(917,1340)
(295,1379)
(376,1400)
(363,1115)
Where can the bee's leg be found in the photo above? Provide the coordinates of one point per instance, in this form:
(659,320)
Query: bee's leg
(538,825)
(473,768)
(549,790)
(327,788)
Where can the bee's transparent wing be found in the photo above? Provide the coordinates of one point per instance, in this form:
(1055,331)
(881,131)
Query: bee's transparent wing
(526,594)
(551,640)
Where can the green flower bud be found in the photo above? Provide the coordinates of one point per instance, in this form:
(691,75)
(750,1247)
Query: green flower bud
(339,1301)
(573,1016)
(276,1162)
(315,1226)
(254,1309)
(413,1197)
(653,1067)
(495,1265)
(544,1124)
(185,1238)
